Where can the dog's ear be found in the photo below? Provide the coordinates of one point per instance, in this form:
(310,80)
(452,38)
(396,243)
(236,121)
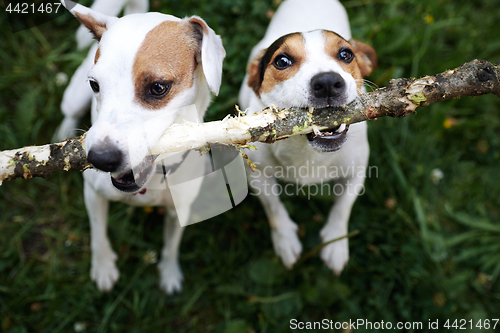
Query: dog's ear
(254,72)
(112,8)
(365,56)
(212,53)
(96,22)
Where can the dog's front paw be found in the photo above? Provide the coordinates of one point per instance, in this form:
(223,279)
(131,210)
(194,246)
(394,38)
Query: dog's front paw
(104,272)
(336,254)
(170,277)
(286,244)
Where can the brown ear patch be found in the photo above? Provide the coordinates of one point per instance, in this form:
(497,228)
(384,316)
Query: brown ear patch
(201,23)
(199,28)
(253,71)
(97,55)
(365,56)
(96,28)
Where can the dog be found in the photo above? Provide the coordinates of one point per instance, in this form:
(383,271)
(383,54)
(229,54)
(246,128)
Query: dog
(307,58)
(149,71)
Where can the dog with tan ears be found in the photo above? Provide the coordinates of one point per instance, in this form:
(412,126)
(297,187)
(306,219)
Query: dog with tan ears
(149,69)
(308,58)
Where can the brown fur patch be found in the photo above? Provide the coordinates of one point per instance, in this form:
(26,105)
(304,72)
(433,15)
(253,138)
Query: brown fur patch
(366,57)
(97,55)
(167,55)
(333,44)
(294,47)
(200,23)
(254,72)
(96,28)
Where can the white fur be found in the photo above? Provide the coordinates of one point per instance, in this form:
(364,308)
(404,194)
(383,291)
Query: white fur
(134,129)
(295,152)
(211,49)
(77,97)
(302,16)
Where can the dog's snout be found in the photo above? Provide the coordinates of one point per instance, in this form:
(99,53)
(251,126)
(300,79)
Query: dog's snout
(107,159)
(327,85)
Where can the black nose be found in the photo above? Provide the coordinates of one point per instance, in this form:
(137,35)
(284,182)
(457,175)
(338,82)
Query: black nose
(327,85)
(107,159)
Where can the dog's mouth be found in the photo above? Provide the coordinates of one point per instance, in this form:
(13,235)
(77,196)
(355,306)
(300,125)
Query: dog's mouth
(133,180)
(329,140)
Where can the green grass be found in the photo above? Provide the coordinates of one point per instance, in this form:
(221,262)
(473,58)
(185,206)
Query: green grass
(425,251)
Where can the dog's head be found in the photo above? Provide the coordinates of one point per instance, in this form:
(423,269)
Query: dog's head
(149,70)
(317,68)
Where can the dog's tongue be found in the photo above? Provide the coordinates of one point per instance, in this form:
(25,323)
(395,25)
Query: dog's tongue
(329,140)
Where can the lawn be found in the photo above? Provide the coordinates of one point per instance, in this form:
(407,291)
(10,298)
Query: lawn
(428,247)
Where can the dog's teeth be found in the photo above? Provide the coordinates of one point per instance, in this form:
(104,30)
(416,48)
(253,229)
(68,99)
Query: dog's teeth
(316,131)
(341,128)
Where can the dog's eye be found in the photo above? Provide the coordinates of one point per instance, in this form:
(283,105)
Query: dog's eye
(346,55)
(94,85)
(282,61)
(159,89)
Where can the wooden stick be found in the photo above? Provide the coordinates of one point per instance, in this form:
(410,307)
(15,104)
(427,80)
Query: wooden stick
(400,98)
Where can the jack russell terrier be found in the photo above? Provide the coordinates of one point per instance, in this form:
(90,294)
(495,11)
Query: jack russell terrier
(307,58)
(149,69)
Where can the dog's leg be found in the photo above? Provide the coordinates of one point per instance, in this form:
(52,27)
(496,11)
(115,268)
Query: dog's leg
(283,230)
(336,254)
(103,268)
(170,272)
(76,99)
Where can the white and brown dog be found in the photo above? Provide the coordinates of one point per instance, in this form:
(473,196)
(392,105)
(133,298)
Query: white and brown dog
(307,58)
(149,70)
